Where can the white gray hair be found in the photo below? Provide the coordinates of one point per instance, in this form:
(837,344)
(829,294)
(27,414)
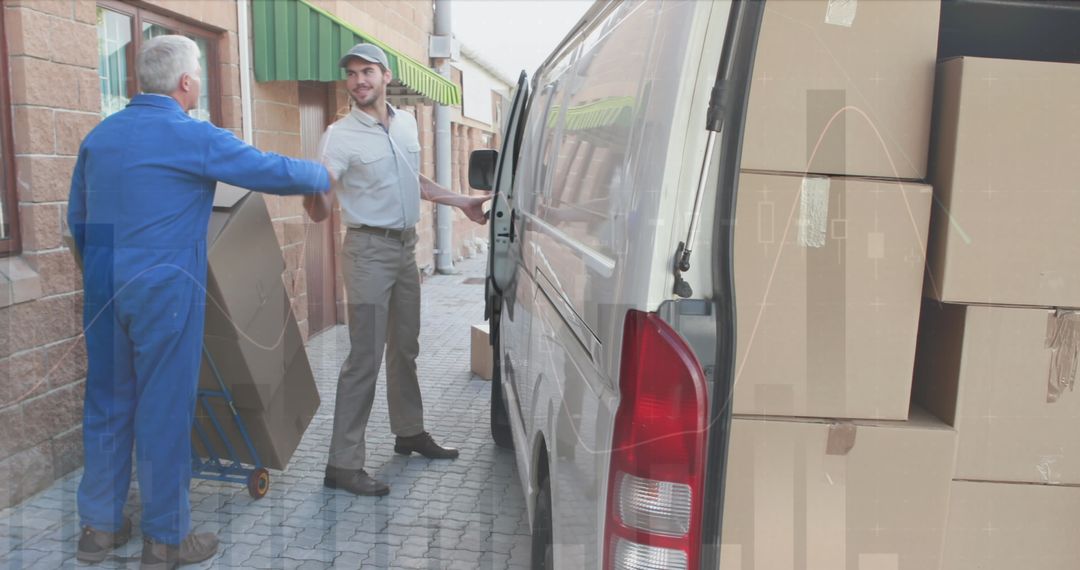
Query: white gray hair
(163,60)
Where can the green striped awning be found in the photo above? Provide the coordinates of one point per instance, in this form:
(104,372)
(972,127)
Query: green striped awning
(296,41)
(597,114)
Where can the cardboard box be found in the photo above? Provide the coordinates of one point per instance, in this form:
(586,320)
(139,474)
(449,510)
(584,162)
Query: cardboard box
(1002,526)
(828,274)
(810,494)
(252,336)
(481,352)
(255,371)
(1005,178)
(250,330)
(275,431)
(245,272)
(866,68)
(989,372)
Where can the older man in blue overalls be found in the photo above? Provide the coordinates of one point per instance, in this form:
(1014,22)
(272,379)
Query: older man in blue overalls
(141,196)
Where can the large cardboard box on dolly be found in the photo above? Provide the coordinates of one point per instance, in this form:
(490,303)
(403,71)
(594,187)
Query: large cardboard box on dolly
(275,431)
(252,336)
(247,307)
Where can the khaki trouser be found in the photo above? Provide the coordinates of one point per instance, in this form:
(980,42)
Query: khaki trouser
(383,289)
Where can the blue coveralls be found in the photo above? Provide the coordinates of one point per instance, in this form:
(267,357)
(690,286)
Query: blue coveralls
(141,196)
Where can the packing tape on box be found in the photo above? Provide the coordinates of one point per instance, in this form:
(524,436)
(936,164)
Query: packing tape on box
(841,438)
(813,211)
(841,12)
(1063,340)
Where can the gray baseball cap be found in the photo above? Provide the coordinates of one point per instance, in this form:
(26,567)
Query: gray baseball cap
(367,52)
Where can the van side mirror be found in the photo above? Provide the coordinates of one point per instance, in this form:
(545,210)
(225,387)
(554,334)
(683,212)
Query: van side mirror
(482,168)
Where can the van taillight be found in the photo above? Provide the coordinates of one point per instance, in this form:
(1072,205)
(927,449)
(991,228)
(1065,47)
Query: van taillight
(655,483)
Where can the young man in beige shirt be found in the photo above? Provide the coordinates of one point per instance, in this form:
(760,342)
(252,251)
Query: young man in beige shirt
(374,154)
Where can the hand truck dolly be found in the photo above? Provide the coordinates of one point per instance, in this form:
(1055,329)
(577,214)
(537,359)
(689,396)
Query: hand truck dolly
(229,468)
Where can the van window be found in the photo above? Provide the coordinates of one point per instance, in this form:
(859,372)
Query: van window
(528,174)
(601,101)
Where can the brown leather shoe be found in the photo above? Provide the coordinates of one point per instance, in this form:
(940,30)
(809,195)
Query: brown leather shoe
(95,545)
(355,481)
(423,444)
(195,548)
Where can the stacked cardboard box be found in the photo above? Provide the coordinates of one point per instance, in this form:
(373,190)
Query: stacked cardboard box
(251,338)
(829,265)
(820,494)
(828,273)
(999,340)
(827,468)
(843,88)
(1007,137)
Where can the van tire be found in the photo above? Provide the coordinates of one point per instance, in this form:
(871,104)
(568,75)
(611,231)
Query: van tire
(543,537)
(500,417)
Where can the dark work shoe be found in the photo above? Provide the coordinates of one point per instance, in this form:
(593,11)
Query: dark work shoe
(195,548)
(95,545)
(424,445)
(355,481)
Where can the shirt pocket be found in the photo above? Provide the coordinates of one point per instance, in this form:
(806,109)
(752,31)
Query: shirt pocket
(412,150)
(372,153)
(374,164)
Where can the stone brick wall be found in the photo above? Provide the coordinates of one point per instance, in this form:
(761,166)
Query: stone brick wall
(53,58)
(56,100)
(276,128)
(403,24)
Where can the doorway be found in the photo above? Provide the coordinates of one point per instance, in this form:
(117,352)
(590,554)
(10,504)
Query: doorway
(320,249)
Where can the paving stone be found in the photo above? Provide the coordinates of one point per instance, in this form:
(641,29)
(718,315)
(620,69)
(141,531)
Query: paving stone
(467,513)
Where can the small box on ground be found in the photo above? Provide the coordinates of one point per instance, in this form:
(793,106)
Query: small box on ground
(481,351)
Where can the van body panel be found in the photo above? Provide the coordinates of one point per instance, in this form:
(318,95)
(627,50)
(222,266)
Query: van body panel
(689,162)
(605,187)
(599,182)
(575,407)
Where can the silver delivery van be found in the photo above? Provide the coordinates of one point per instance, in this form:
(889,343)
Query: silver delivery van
(611,288)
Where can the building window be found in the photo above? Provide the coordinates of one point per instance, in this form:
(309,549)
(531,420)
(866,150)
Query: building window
(9,215)
(121,30)
(116,55)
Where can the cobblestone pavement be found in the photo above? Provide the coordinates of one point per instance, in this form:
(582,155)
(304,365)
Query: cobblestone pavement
(468,513)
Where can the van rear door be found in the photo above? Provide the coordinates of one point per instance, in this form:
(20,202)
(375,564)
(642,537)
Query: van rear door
(726,119)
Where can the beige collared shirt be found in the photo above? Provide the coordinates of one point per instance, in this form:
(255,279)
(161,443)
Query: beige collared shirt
(378,169)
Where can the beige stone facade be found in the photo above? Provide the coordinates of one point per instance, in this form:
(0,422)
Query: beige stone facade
(53,80)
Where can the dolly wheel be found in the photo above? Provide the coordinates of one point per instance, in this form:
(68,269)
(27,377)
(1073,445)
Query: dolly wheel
(259,483)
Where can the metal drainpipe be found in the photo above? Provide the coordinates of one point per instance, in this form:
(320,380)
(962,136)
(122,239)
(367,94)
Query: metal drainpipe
(444,215)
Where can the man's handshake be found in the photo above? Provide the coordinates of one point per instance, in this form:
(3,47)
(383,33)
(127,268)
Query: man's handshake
(320,206)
